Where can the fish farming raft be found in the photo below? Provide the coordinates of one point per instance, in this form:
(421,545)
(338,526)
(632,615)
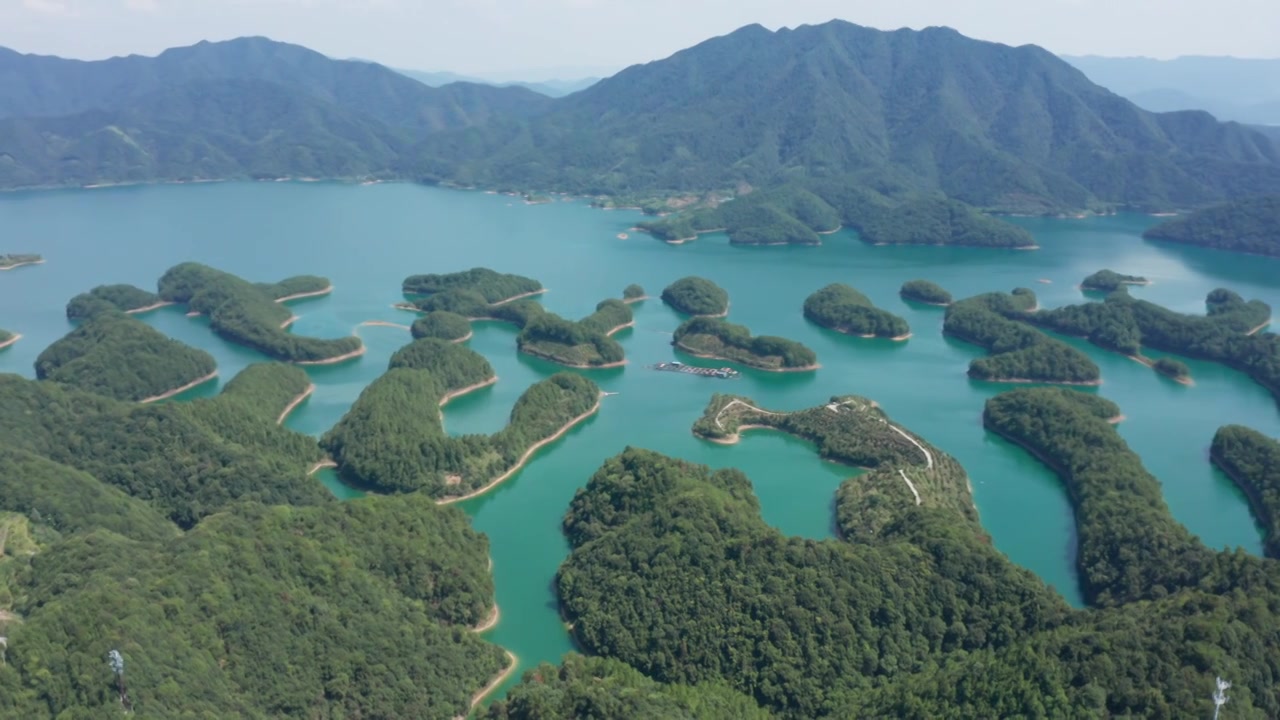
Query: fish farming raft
(679,367)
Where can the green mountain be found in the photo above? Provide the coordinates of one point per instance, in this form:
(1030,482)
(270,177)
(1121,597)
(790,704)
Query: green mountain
(1251,225)
(247,108)
(995,126)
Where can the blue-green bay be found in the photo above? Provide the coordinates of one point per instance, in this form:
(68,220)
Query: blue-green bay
(368,238)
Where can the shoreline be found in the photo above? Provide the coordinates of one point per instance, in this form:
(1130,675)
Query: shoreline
(642,298)
(548,358)
(620,327)
(1260,328)
(523,458)
(295,403)
(1142,360)
(149,308)
(194,383)
(330,463)
(1023,381)
(292,319)
(923,302)
(512,663)
(705,356)
(1249,489)
(383,323)
(25,263)
(736,437)
(1055,467)
(1117,419)
(444,400)
(837,229)
(514,298)
(490,621)
(15,338)
(314,293)
(333,360)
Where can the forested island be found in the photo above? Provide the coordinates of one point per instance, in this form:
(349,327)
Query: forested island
(104,298)
(393,440)
(1018,353)
(1228,333)
(442,325)
(926,292)
(121,357)
(470,293)
(673,571)
(249,314)
(633,293)
(843,309)
(1252,461)
(1173,369)
(696,296)
(9,262)
(8,338)
(1249,225)
(1110,281)
(722,340)
(586,343)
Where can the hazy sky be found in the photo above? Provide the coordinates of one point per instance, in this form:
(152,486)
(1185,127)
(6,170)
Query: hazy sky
(533,37)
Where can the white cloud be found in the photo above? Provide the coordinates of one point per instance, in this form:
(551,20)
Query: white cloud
(50,7)
(142,5)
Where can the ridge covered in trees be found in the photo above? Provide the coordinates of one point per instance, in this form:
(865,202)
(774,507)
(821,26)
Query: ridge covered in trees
(122,357)
(1018,353)
(1248,225)
(926,292)
(696,296)
(104,298)
(582,344)
(393,439)
(1124,324)
(469,292)
(187,460)
(1110,281)
(1252,461)
(721,339)
(249,314)
(441,324)
(843,309)
(673,571)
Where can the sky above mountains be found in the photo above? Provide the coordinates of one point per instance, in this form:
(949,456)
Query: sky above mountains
(542,39)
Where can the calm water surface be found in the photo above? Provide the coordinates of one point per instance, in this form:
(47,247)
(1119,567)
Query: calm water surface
(368,238)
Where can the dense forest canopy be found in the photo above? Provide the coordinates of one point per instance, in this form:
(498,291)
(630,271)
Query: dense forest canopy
(696,296)
(633,292)
(125,298)
(248,314)
(441,324)
(844,309)
(585,343)
(1250,225)
(1110,281)
(716,338)
(493,286)
(926,292)
(1017,352)
(121,357)
(1252,461)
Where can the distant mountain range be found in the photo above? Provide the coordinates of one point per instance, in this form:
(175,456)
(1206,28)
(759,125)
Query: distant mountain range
(1002,128)
(1241,89)
(550,88)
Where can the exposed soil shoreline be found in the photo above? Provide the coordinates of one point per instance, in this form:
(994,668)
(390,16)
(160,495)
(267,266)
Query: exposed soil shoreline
(15,266)
(736,437)
(15,338)
(521,296)
(523,459)
(1260,328)
(924,302)
(490,621)
(296,402)
(383,323)
(1142,360)
(620,327)
(314,293)
(149,308)
(642,298)
(708,356)
(320,466)
(1079,383)
(463,391)
(333,360)
(194,383)
(548,358)
(512,663)
(292,319)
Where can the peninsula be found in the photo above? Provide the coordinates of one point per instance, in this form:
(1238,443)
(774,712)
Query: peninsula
(250,314)
(1252,461)
(721,340)
(1019,354)
(843,309)
(586,343)
(124,298)
(443,325)
(633,294)
(697,296)
(1249,225)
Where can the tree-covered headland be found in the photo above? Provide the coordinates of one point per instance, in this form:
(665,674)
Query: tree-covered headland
(843,309)
(1249,225)
(1018,353)
(633,293)
(393,439)
(696,296)
(248,314)
(442,325)
(1252,461)
(470,293)
(720,339)
(925,292)
(584,344)
(124,298)
(121,357)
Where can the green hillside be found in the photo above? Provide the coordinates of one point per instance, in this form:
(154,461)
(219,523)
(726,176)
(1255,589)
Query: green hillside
(1251,225)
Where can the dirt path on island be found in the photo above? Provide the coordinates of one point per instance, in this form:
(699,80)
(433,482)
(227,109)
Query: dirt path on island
(745,405)
(927,455)
(179,390)
(523,458)
(910,485)
(296,402)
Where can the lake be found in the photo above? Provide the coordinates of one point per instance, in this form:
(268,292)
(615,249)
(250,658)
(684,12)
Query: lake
(366,239)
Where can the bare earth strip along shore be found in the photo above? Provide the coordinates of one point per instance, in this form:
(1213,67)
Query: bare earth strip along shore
(524,458)
(296,402)
(463,391)
(489,622)
(314,293)
(623,326)
(15,266)
(148,308)
(176,391)
(696,353)
(512,662)
(334,360)
(321,466)
(15,338)
(1141,360)
(521,296)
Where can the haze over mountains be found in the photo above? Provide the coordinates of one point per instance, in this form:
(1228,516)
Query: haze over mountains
(998,127)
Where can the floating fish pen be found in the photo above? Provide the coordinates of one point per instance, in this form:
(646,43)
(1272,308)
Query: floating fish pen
(723,373)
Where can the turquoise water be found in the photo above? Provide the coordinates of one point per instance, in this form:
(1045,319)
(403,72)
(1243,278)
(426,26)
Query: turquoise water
(368,238)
